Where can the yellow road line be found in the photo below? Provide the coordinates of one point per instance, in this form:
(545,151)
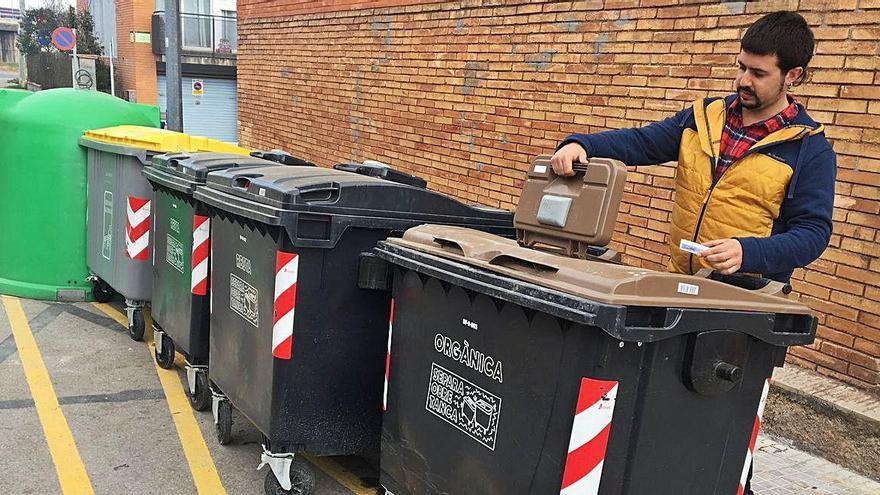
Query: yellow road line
(172,386)
(338,473)
(201,464)
(71,471)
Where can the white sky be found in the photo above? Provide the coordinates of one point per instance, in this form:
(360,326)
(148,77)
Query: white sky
(30,3)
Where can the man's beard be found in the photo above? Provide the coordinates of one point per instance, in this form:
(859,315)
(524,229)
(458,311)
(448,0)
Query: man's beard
(755,102)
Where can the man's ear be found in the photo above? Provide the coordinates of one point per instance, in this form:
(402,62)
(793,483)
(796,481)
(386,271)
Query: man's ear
(795,76)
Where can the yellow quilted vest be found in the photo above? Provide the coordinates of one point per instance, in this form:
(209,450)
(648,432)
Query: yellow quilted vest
(743,203)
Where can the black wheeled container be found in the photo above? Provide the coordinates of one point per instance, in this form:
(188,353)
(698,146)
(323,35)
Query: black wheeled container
(299,319)
(181,275)
(514,371)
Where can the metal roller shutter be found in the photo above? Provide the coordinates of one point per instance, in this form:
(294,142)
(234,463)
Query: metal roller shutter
(214,114)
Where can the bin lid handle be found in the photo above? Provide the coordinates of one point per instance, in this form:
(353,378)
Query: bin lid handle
(450,245)
(514,262)
(579,166)
(494,256)
(754,283)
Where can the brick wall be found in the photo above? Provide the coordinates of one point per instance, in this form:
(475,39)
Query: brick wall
(466,93)
(135,62)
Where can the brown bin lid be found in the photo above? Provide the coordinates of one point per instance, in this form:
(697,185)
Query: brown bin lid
(570,213)
(592,280)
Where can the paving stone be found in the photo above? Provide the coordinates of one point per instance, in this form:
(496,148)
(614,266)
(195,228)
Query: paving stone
(780,469)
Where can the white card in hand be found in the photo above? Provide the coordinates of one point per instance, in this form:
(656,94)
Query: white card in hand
(692,247)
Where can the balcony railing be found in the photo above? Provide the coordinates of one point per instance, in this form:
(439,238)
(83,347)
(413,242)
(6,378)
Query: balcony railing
(200,34)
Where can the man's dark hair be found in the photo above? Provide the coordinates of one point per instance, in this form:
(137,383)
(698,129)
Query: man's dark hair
(784,34)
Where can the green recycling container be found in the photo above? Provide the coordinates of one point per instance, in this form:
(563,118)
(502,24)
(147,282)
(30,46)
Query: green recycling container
(43,186)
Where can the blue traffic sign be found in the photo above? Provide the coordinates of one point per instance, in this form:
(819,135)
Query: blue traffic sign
(64,39)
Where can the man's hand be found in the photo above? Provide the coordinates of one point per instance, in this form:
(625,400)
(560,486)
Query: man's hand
(568,154)
(724,255)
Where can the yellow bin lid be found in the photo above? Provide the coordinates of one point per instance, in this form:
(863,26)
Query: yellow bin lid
(160,140)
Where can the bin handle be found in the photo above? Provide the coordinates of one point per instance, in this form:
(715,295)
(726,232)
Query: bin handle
(321,194)
(505,260)
(450,244)
(757,284)
(522,264)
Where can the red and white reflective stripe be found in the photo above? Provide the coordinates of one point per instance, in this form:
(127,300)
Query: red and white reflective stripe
(754,438)
(589,437)
(137,229)
(286,268)
(211,280)
(388,357)
(200,251)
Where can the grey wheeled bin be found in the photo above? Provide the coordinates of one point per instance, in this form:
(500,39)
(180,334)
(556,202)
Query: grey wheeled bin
(297,341)
(521,371)
(119,202)
(181,277)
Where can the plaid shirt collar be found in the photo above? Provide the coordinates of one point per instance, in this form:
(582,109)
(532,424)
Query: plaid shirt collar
(782,119)
(736,140)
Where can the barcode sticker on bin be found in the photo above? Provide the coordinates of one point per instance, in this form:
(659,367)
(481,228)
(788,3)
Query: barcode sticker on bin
(689,289)
(540,169)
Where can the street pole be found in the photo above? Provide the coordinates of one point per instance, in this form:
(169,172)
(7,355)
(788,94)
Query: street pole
(74,63)
(22,62)
(174,107)
(112,75)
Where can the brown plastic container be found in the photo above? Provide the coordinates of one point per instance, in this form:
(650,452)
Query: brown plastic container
(570,214)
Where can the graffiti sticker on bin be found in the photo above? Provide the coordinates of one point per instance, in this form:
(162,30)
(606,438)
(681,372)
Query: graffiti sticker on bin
(107,227)
(244,300)
(469,408)
(174,253)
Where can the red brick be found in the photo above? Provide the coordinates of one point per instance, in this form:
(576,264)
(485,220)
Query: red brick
(830,33)
(852,380)
(853,18)
(827,62)
(864,376)
(868,92)
(837,283)
(826,307)
(820,358)
(835,336)
(811,290)
(871,327)
(771,6)
(854,302)
(827,5)
(851,356)
(842,325)
(870,348)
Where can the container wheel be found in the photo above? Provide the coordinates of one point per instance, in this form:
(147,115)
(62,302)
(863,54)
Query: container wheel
(136,326)
(302,481)
(201,399)
(101,291)
(224,422)
(165,359)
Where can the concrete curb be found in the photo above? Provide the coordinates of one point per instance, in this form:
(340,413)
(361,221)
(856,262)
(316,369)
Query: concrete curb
(825,417)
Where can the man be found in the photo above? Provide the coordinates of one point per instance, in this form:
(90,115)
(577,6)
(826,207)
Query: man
(755,177)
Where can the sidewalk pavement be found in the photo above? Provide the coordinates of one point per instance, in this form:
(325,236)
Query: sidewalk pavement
(784,470)
(5,77)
